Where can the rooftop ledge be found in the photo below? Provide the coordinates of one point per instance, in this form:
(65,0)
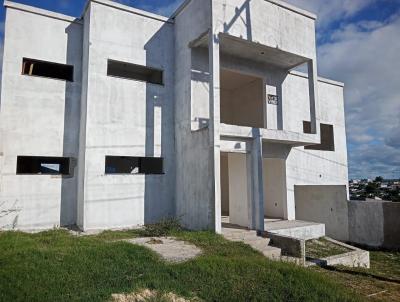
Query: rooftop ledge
(41,12)
(136,11)
(54,15)
(279,3)
(279,136)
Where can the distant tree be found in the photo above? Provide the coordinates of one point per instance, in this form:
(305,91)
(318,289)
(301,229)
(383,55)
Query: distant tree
(371,188)
(378,179)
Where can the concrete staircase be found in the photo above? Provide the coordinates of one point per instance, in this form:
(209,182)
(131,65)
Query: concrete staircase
(250,237)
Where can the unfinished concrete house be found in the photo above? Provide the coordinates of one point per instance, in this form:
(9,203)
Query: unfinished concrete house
(122,117)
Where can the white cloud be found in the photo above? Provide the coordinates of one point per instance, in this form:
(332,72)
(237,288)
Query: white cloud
(366,56)
(333,10)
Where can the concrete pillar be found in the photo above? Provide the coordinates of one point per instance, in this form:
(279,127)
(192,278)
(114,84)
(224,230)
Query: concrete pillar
(214,126)
(257,182)
(313,91)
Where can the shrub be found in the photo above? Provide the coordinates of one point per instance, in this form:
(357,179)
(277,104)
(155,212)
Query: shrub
(163,228)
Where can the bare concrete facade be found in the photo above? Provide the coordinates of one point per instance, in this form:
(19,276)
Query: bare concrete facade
(370,223)
(215,99)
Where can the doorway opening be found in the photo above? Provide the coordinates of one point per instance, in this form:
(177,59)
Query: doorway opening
(235,189)
(274,174)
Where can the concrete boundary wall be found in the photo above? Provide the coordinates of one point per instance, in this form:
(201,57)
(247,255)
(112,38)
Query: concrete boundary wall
(369,223)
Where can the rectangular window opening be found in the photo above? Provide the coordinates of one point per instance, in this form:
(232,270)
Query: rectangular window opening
(43,165)
(327,137)
(39,68)
(134,72)
(134,165)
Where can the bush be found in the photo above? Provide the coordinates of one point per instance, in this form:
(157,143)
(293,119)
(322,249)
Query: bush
(163,228)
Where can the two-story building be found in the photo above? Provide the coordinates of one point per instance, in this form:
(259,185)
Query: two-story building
(122,117)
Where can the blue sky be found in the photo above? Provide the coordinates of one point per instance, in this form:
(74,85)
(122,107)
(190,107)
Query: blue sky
(358,44)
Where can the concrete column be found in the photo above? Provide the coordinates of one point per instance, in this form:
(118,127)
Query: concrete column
(214,129)
(313,91)
(257,200)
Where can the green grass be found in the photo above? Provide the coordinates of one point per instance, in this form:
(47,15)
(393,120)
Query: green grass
(57,266)
(379,283)
(322,248)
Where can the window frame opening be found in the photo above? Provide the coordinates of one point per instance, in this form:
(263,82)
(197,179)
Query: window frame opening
(141,73)
(46,69)
(327,133)
(133,165)
(42,165)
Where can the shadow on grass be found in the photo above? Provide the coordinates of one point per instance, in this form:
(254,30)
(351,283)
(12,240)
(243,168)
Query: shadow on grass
(360,273)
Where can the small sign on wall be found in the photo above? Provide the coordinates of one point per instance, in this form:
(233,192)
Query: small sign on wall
(273,99)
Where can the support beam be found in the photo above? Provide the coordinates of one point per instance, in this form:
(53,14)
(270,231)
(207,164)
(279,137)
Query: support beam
(313,91)
(214,129)
(257,208)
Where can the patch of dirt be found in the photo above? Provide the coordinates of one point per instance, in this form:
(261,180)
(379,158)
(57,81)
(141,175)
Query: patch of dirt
(147,295)
(154,241)
(169,248)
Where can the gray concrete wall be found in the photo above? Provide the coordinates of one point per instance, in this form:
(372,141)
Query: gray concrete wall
(39,117)
(194,170)
(325,204)
(290,246)
(242,100)
(375,223)
(370,223)
(313,167)
(239,190)
(224,184)
(128,118)
(179,121)
(274,187)
(261,21)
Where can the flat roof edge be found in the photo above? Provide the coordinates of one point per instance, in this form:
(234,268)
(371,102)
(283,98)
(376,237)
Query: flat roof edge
(41,12)
(280,3)
(130,9)
(320,79)
(294,9)
(180,8)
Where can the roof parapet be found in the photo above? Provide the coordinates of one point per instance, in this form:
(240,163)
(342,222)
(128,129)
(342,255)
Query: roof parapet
(129,9)
(41,12)
(280,3)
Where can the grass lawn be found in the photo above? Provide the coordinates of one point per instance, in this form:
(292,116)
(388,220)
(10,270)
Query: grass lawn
(322,248)
(57,266)
(379,283)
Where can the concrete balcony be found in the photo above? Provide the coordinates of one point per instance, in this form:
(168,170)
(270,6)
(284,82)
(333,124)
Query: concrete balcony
(295,139)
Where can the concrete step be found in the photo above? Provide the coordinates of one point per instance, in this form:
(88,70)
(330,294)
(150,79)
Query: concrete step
(273,253)
(250,238)
(297,229)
